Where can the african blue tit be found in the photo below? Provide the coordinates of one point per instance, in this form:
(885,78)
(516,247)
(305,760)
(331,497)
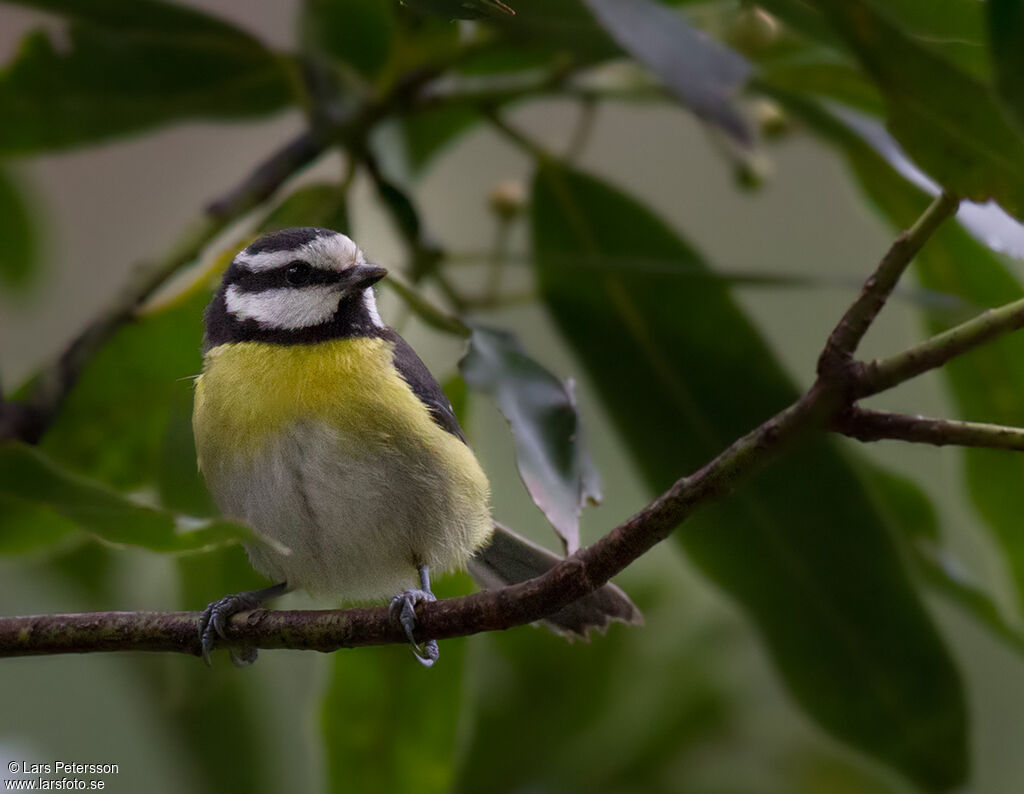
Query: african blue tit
(319,427)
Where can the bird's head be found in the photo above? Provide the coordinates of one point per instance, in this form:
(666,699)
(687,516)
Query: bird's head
(294,286)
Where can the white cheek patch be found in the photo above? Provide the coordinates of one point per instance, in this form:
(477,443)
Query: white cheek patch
(331,252)
(370,302)
(286,308)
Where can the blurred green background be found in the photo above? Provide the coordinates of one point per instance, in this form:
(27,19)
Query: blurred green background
(691,701)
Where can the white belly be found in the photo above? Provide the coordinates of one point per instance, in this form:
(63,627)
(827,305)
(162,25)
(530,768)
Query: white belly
(355,520)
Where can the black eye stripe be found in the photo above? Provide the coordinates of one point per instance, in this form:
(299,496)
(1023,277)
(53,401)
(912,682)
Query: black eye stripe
(249,281)
(298,274)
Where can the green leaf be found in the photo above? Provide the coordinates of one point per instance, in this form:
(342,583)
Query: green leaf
(115,421)
(625,713)
(704,75)
(19,247)
(801,548)
(27,525)
(1006,41)
(954,29)
(129,65)
(381,704)
(950,122)
(457,392)
(216,713)
(144,16)
(359,33)
(461,9)
(319,204)
(428,132)
(986,384)
(541,411)
(30,477)
(556,26)
(823,75)
(914,515)
(179,483)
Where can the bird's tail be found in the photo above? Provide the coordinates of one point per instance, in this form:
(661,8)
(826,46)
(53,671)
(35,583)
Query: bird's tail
(509,559)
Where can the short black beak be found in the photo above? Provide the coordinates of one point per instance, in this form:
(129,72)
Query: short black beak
(362,276)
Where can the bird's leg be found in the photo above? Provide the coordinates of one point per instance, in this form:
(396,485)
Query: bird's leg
(403,609)
(213,622)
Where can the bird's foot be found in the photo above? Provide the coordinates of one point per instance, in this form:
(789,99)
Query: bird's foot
(213,622)
(403,609)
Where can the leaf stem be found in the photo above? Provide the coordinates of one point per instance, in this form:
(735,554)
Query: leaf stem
(430,314)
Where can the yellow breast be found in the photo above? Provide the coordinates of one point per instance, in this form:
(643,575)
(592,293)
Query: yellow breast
(251,391)
(382,485)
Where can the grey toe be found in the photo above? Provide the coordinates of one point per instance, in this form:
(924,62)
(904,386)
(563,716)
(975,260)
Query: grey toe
(403,609)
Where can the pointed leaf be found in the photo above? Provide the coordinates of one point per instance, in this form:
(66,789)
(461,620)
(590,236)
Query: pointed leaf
(359,33)
(319,204)
(988,223)
(556,27)
(216,713)
(19,254)
(129,65)
(26,525)
(428,132)
(461,9)
(541,410)
(801,548)
(381,705)
(457,392)
(114,423)
(629,713)
(916,519)
(28,475)
(949,121)
(705,76)
(954,29)
(1006,41)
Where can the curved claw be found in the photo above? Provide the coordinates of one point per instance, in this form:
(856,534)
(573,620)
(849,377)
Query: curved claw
(214,621)
(403,609)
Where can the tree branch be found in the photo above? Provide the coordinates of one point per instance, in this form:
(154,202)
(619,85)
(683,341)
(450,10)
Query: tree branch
(489,610)
(847,335)
(867,425)
(841,381)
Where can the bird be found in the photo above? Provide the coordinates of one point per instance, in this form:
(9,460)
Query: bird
(318,427)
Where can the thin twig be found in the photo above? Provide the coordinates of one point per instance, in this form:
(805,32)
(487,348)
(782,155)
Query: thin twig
(498,257)
(430,314)
(867,425)
(844,339)
(878,376)
(581,130)
(425,253)
(528,145)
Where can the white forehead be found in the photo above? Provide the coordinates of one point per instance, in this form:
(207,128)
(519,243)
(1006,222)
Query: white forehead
(327,252)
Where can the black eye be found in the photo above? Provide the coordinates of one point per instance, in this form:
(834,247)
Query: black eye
(298,273)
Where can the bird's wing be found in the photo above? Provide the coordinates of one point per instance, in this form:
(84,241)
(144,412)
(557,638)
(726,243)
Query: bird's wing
(415,373)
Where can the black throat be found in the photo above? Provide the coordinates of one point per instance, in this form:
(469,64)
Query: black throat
(351,319)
